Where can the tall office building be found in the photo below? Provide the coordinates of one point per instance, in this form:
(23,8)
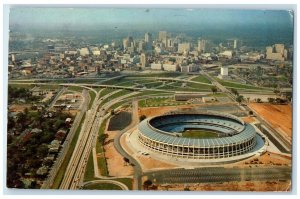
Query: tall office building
(184,47)
(235,42)
(148,41)
(162,36)
(143,60)
(127,43)
(170,43)
(202,45)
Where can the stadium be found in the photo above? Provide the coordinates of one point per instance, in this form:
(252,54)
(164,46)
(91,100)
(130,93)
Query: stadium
(217,135)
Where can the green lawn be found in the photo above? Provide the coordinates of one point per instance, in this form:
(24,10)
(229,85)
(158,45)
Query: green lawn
(102,186)
(240,86)
(106,91)
(116,95)
(198,86)
(75,88)
(49,86)
(199,133)
(62,170)
(201,78)
(99,149)
(89,170)
(126,181)
(28,86)
(155,102)
(92,95)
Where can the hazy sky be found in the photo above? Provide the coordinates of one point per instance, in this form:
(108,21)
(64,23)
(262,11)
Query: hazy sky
(153,18)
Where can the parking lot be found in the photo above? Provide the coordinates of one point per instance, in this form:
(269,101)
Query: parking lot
(219,174)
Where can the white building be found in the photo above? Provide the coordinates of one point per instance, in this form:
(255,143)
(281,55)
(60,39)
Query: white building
(184,47)
(84,51)
(189,68)
(224,70)
(276,52)
(143,60)
(227,54)
(156,66)
(170,67)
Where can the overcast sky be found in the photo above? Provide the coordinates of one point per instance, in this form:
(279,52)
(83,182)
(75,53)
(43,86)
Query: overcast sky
(139,18)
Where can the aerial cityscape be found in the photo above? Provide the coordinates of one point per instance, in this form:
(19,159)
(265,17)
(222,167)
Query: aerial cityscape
(166,99)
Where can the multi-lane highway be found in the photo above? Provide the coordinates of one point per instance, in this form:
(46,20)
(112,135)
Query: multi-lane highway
(77,165)
(61,156)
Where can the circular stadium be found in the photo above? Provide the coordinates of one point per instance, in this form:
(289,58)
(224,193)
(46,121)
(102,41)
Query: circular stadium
(206,135)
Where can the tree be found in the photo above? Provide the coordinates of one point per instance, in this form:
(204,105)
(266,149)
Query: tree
(234,91)
(214,89)
(271,100)
(239,99)
(147,183)
(126,160)
(276,91)
(258,100)
(250,112)
(102,138)
(142,117)
(112,112)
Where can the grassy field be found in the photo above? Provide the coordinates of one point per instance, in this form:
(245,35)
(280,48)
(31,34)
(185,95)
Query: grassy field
(28,86)
(62,169)
(240,86)
(106,91)
(99,149)
(198,86)
(102,186)
(49,86)
(89,170)
(92,95)
(201,78)
(169,101)
(75,88)
(126,181)
(116,95)
(199,134)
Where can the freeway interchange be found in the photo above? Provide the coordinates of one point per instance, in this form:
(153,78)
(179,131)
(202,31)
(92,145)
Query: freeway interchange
(95,116)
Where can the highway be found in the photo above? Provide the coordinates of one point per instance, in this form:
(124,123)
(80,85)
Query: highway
(285,144)
(77,165)
(61,156)
(137,176)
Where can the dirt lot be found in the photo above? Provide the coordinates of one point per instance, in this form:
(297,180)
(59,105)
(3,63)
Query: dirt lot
(115,163)
(149,164)
(279,116)
(18,107)
(269,158)
(154,111)
(248,119)
(230,186)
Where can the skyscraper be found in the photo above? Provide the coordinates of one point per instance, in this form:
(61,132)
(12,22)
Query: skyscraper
(162,37)
(201,45)
(148,41)
(143,60)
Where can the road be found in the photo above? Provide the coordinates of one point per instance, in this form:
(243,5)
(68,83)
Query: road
(61,156)
(137,168)
(56,97)
(120,184)
(75,171)
(220,174)
(285,143)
